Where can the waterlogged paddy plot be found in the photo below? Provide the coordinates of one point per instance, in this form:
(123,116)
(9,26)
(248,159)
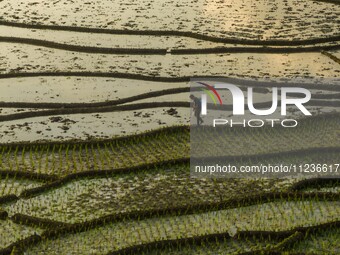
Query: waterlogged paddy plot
(107,40)
(326,242)
(310,133)
(88,199)
(267,217)
(11,232)
(71,158)
(168,144)
(14,186)
(261,20)
(68,89)
(91,126)
(17,58)
(84,191)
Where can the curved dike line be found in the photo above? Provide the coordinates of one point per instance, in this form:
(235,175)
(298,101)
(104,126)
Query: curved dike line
(85,49)
(144,51)
(140,106)
(174,33)
(170,79)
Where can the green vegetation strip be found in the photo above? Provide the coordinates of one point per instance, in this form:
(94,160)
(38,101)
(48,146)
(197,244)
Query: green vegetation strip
(260,84)
(318,242)
(250,200)
(171,145)
(128,236)
(102,173)
(155,167)
(175,33)
(16,247)
(313,132)
(14,235)
(197,241)
(235,246)
(21,245)
(60,159)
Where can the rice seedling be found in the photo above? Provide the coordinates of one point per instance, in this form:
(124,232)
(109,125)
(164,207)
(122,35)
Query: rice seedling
(325,241)
(128,233)
(14,185)
(12,232)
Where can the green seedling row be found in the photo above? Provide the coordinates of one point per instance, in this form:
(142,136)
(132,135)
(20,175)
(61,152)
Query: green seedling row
(275,216)
(322,242)
(11,232)
(67,158)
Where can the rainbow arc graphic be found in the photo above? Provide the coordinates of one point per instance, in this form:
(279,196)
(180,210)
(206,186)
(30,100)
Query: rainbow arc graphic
(211,91)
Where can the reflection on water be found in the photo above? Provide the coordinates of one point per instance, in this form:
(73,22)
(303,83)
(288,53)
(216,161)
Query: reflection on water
(283,19)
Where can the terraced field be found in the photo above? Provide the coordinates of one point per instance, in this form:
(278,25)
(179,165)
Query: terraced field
(93,198)
(95,141)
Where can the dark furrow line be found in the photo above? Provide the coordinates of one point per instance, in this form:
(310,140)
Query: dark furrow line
(97,104)
(220,50)
(150,167)
(140,106)
(85,49)
(315,183)
(236,81)
(8,199)
(328,1)
(332,57)
(174,33)
(146,51)
(32,221)
(28,175)
(96,74)
(3,214)
(45,105)
(70,111)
